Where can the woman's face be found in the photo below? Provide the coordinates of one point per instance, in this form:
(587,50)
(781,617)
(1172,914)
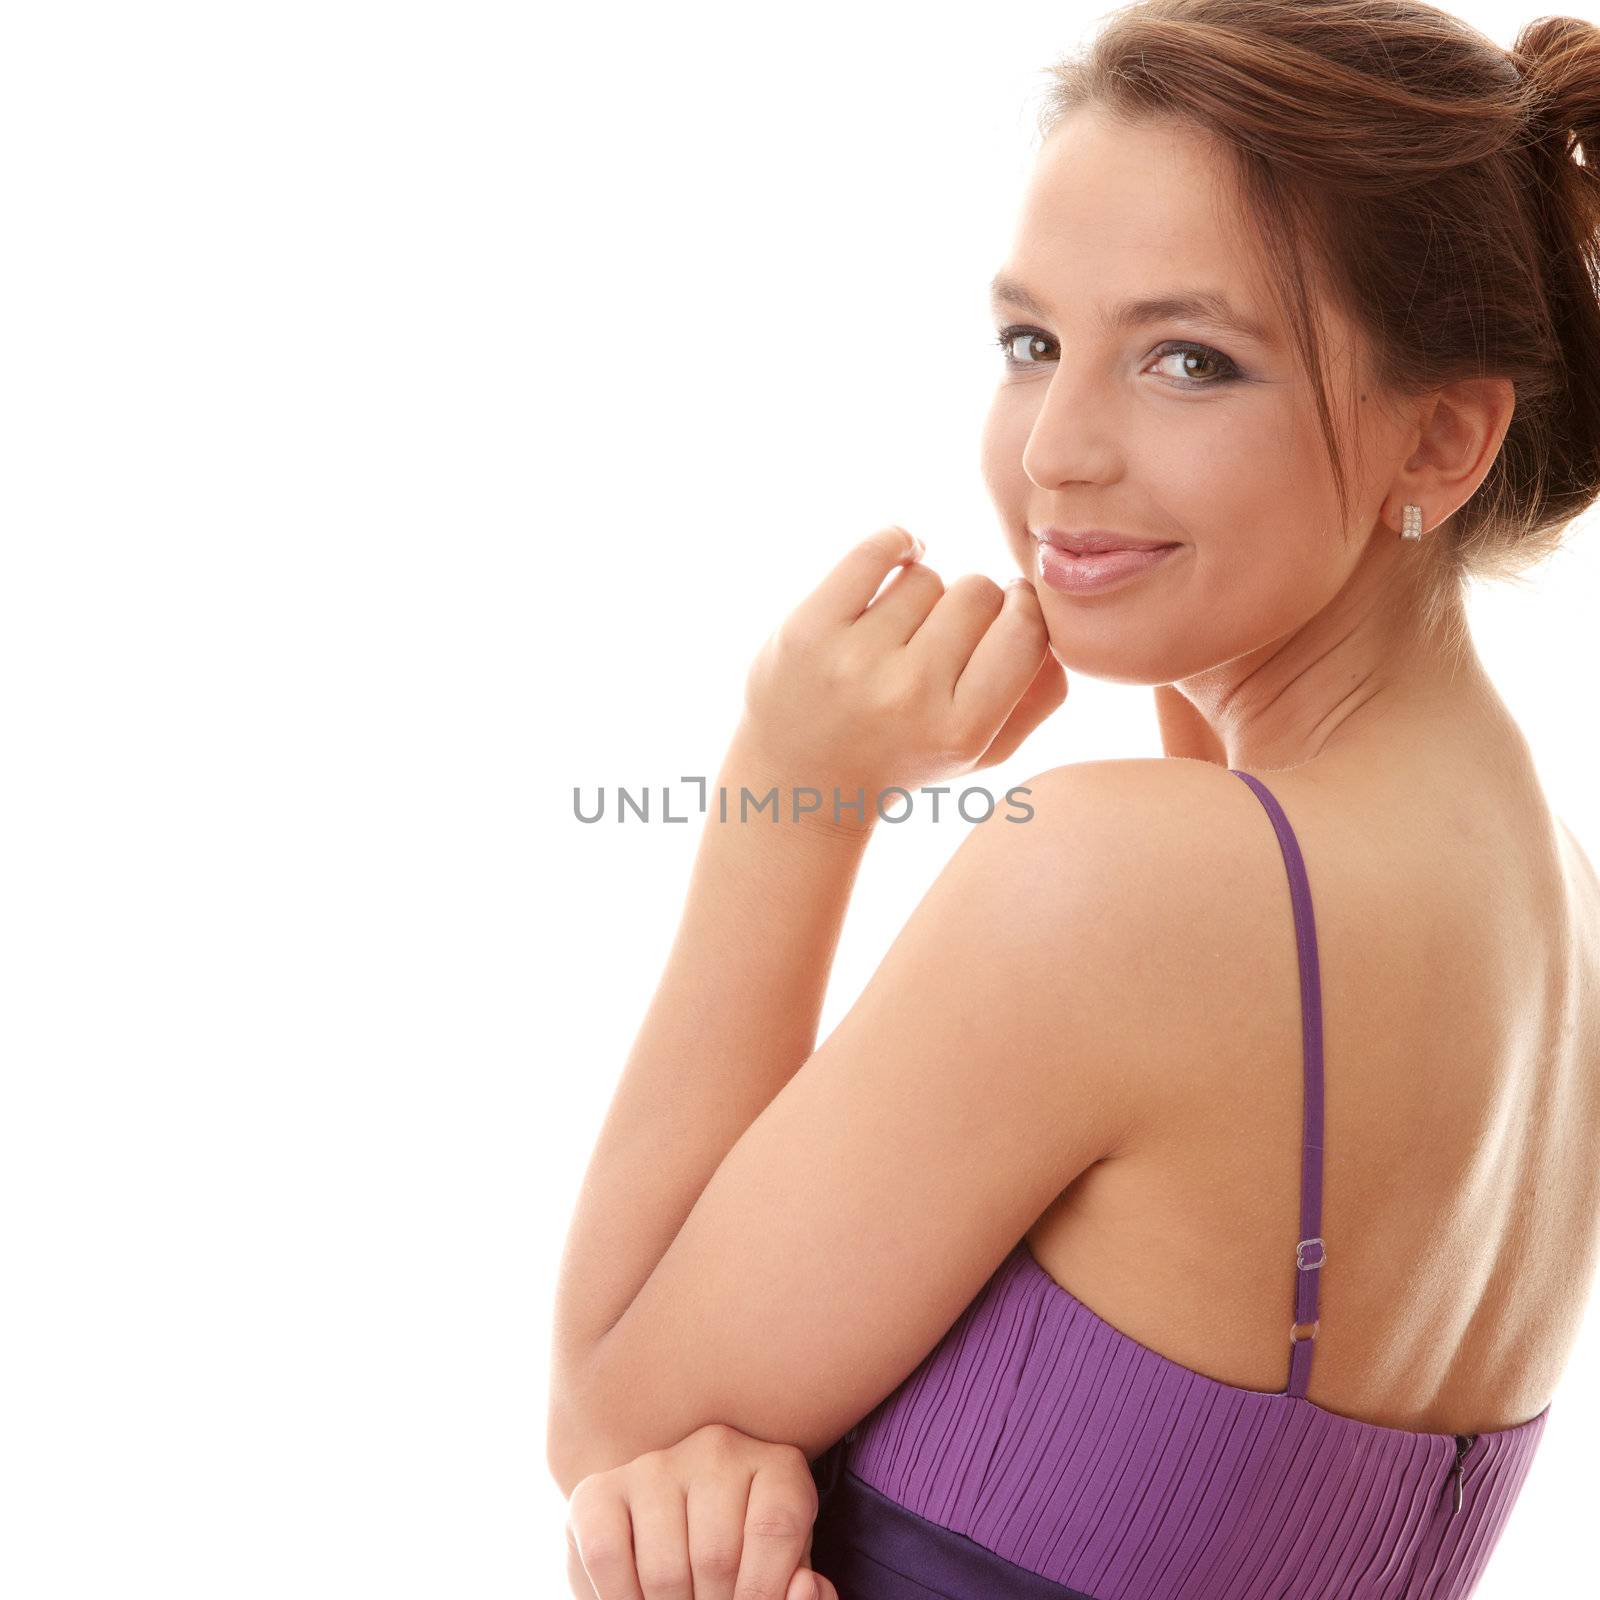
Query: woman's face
(1171,427)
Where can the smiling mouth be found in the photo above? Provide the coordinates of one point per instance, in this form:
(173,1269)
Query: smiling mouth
(1096,543)
(1072,573)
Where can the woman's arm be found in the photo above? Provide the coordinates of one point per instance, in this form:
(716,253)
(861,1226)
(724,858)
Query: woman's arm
(853,693)
(734,1017)
(990,1060)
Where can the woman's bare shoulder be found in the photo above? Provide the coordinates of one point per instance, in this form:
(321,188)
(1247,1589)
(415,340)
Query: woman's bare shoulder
(1157,881)
(1160,850)
(1163,801)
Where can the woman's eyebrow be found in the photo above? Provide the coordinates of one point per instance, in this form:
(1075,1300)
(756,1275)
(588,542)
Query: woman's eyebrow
(1198,305)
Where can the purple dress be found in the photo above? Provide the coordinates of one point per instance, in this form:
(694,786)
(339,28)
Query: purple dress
(1038,1451)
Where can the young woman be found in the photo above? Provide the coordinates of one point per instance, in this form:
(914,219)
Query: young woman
(1199,1199)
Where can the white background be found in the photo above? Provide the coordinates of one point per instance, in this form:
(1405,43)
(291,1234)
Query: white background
(412,412)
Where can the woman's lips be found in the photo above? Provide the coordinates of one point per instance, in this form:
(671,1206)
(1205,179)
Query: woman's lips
(1088,574)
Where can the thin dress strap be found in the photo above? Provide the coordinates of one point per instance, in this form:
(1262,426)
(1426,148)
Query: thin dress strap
(1310,1253)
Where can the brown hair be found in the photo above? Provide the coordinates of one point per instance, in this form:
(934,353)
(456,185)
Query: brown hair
(1431,182)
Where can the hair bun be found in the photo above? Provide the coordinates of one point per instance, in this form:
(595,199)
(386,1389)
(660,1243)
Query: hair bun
(1558,59)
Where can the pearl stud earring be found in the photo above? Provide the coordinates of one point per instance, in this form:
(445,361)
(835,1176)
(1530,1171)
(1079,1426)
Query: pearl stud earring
(1411,522)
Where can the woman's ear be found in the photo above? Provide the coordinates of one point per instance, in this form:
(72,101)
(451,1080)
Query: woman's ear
(1184,732)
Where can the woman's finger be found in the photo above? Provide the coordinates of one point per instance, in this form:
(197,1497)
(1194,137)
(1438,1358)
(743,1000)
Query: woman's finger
(578,1584)
(1042,697)
(903,607)
(801,1588)
(718,1505)
(846,592)
(777,1529)
(600,1537)
(659,1513)
(1003,664)
(946,641)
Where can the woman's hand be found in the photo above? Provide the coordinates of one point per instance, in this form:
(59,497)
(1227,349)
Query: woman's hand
(719,1516)
(921,684)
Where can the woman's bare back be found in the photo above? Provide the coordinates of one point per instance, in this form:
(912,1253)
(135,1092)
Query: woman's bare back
(1458,928)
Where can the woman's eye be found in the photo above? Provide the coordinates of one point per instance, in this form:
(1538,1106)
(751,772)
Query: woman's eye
(1008,338)
(1201,367)
(1220,368)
